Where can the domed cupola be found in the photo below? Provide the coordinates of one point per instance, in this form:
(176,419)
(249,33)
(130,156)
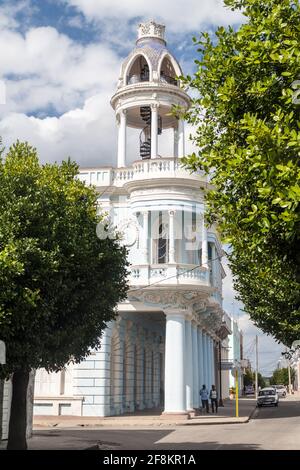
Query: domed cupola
(150,60)
(147,90)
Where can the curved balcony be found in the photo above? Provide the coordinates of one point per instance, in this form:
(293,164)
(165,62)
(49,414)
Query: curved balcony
(139,170)
(169,274)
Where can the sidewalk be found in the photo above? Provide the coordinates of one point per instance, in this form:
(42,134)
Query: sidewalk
(151,418)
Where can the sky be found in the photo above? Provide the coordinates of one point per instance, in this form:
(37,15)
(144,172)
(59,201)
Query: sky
(59,66)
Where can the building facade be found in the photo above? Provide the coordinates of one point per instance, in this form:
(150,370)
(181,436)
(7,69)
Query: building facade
(165,342)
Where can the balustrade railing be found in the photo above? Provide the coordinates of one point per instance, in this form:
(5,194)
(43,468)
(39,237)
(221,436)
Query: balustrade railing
(169,167)
(170,274)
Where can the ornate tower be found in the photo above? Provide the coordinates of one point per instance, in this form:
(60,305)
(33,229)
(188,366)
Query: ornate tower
(164,342)
(148,88)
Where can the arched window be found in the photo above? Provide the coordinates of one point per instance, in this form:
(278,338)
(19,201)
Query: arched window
(139,71)
(167,72)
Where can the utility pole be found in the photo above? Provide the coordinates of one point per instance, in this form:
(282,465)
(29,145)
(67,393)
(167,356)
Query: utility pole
(220,379)
(289,372)
(290,383)
(256,367)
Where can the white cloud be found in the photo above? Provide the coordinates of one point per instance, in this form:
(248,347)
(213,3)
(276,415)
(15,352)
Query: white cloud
(47,68)
(46,71)
(179,15)
(85,134)
(10,9)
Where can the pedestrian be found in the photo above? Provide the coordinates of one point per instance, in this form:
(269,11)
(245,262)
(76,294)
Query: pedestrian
(204,398)
(213,395)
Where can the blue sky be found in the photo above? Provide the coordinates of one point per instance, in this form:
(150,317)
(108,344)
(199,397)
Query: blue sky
(60,61)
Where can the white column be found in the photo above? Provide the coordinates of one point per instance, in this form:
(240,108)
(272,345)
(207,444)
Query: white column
(175,393)
(145,237)
(209,344)
(213,264)
(122,139)
(181,146)
(129,351)
(200,359)
(189,365)
(204,244)
(196,385)
(154,130)
(140,404)
(205,360)
(156,391)
(119,371)
(176,141)
(171,237)
(213,364)
(208,363)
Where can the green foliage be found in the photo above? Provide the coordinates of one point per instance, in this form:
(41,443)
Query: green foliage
(59,283)
(249,378)
(260,380)
(247,131)
(281,376)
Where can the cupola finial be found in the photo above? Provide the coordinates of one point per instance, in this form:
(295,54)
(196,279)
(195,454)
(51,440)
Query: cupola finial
(151,29)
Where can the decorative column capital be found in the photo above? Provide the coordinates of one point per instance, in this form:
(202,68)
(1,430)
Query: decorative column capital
(174,312)
(172,212)
(154,106)
(119,114)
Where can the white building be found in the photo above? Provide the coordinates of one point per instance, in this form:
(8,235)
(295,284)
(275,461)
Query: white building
(164,344)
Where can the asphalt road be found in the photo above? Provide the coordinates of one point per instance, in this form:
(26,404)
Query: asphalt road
(270,429)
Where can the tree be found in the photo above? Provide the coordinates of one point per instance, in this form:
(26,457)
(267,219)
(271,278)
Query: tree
(260,380)
(281,376)
(247,120)
(59,283)
(248,378)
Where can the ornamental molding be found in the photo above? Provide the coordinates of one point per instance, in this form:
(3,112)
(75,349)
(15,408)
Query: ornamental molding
(149,88)
(167,299)
(167,191)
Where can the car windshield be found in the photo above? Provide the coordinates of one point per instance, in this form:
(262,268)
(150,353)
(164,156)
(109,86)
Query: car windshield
(265,393)
(279,386)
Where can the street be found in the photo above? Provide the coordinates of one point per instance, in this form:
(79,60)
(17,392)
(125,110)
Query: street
(269,429)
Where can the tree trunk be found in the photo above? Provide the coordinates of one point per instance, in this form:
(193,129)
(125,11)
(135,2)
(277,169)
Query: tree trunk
(18,414)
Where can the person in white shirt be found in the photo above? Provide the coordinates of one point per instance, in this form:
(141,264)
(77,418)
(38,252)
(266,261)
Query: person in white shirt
(213,395)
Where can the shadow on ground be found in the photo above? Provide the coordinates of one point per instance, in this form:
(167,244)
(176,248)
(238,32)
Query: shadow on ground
(123,440)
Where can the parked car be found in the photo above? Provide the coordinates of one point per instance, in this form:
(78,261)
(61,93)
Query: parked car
(249,390)
(281,390)
(267,396)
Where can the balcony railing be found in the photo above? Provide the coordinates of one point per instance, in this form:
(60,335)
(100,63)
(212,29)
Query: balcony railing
(140,170)
(168,79)
(138,78)
(180,274)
